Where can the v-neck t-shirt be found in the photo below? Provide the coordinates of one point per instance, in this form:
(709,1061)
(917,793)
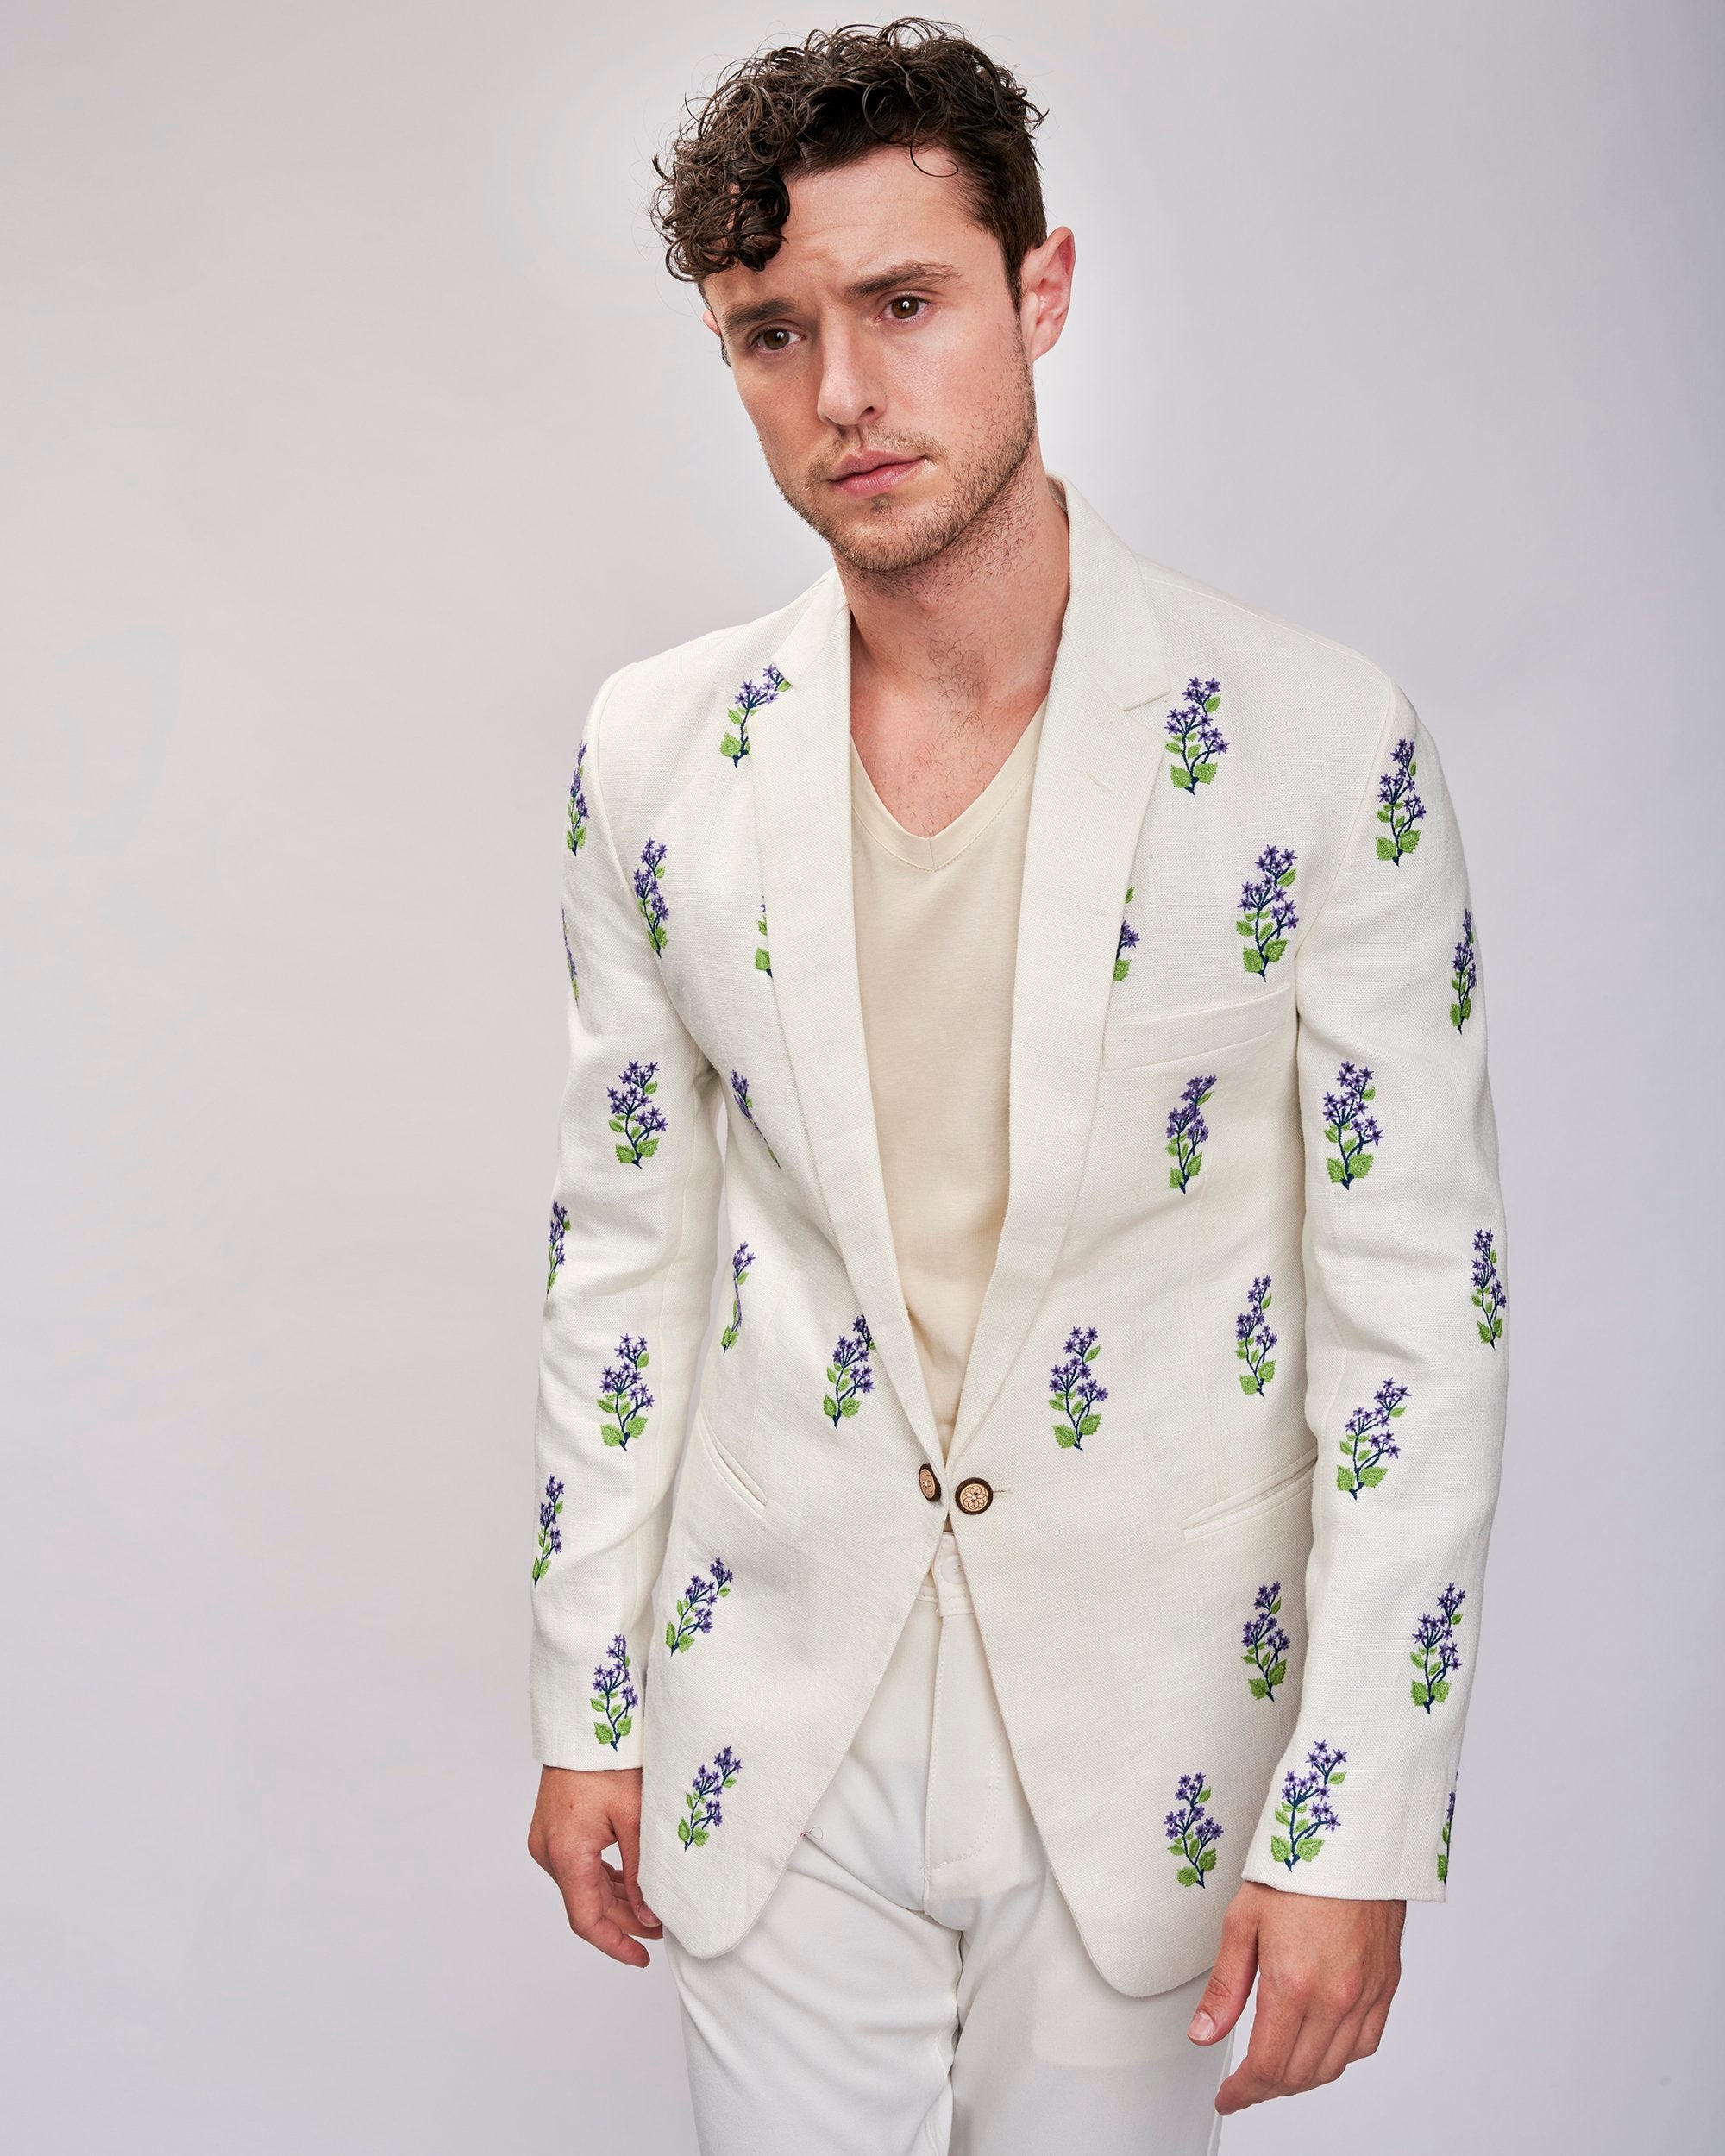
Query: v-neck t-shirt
(937,944)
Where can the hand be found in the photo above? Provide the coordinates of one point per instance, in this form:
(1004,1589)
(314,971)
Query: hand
(1327,1970)
(581,1811)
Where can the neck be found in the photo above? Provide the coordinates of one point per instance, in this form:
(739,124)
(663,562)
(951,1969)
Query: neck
(975,627)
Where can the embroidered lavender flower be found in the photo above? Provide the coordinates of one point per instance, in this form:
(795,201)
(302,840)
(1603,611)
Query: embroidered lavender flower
(613,1696)
(695,1609)
(1305,1810)
(577,836)
(559,1221)
(1253,1338)
(1444,1853)
(622,1396)
(763,963)
(1435,1656)
(650,896)
(1347,1125)
(1195,740)
(633,1115)
(1187,1131)
(741,1259)
(1399,805)
(569,957)
(1191,1832)
(1489,1296)
(1268,915)
(1127,940)
(1464,972)
(703,1813)
(1073,1391)
(848,1373)
(750,698)
(551,1534)
(1265,1642)
(1369,1443)
(739,1087)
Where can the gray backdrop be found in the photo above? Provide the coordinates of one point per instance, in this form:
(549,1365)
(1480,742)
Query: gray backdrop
(352,431)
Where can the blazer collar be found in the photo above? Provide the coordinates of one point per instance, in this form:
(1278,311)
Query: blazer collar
(1096,761)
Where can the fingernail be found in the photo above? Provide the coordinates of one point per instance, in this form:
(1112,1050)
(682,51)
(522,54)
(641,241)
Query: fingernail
(1203,2028)
(647,1915)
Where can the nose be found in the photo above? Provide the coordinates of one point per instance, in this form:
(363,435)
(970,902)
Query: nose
(850,393)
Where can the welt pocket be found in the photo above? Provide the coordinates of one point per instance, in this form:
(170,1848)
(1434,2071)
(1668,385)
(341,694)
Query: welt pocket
(1246,1504)
(1187,1036)
(742,1487)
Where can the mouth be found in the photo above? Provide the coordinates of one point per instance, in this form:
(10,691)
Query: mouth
(875,475)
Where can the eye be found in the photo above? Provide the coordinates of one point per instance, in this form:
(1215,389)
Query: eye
(904,299)
(757,342)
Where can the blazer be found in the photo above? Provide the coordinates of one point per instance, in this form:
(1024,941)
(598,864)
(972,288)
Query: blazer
(1227,1449)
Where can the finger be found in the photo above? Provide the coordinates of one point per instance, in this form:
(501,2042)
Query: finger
(1275,2030)
(628,1848)
(625,1912)
(1230,1986)
(594,1907)
(1334,2006)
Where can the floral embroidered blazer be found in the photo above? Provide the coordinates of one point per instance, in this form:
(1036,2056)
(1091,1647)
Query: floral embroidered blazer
(1235,1406)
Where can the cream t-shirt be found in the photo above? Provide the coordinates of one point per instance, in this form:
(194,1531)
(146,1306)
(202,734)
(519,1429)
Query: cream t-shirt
(936,942)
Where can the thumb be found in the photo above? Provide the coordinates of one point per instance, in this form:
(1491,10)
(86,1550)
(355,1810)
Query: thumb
(628,1832)
(1230,1986)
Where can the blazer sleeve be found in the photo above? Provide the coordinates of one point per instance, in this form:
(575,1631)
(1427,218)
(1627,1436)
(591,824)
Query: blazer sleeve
(1407,1341)
(630,1265)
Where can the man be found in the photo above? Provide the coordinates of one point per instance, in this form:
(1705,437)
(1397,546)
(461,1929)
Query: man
(1105,1400)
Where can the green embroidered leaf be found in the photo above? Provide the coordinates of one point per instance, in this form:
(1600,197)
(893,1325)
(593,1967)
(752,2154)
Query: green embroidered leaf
(1280,1669)
(1208,1861)
(671,1638)
(1089,1426)
(683,1832)
(1253,961)
(1204,773)
(625,1726)
(849,1406)
(1443,1867)
(1338,1173)
(611,1434)
(1440,1690)
(1362,1165)
(699,1837)
(1267,1372)
(1242,928)
(1409,840)
(1185,1875)
(1371,1476)
(1308,1850)
(1344,1478)
(1285,879)
(1210,702)
(1488,1332)
(1248,1384)
(1122,966)
(1279,1849)
(763,963)
(1420,1694)
(1181,777)
(831,1406)
(647,1146)
(1259,1689)
(1386,847)
(1337,1779)
(602,1731)
(730,747)
(1274,948)
(1065,1435)
(1092,1352)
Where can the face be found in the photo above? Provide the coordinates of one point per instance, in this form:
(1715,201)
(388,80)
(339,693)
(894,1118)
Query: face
(881,358)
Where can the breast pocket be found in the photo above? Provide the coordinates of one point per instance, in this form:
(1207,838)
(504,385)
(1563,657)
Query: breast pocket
(1188,1035)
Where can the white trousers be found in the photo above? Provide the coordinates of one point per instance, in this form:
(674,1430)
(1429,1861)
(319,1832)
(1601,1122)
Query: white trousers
(915,1985)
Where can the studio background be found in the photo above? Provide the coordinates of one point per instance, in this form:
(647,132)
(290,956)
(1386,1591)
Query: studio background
(350,432)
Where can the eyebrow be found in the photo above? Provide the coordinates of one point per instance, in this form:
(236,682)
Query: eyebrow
(886,281)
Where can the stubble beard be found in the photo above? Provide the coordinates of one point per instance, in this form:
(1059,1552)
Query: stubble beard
(892,540)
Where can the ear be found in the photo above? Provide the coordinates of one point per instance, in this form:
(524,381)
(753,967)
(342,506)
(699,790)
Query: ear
(1047,282)
(712,321)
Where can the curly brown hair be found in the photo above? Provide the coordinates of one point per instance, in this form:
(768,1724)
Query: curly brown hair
(912,83)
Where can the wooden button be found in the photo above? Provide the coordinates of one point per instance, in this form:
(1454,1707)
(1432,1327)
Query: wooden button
(928,1482)
(974,1495)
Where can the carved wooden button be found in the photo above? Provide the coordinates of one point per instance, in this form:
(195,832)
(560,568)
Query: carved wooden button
(974,1495)
(928,1482)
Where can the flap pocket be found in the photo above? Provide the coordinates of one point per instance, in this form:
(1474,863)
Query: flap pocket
(1269,1489)
(1188,1036)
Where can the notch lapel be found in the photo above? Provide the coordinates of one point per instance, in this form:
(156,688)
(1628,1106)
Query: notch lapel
(800,749)
(1096,762)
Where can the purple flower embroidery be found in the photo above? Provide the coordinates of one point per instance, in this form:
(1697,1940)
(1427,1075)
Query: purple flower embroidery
(1195,740)
(739,1087)
(1489,1296)
(1399,805)
(648,895)
(577,836)
(1187,1131)
(1191,1832)
(1253,1338)
(1305,1811)
(848,1373)
(569,958)
(1348,1127)
(622,1396)
(613,1696)
(1435,1655)
(1464,972)
(702,1802)
(560,1220)
(1368,1442)
(633,1115)
(695,1609)
(1268,918)
(1444,1853)
(1074,1391)
(741,1259)
(551,1534)
(750,698)
(1126,940)
(1265,1642)
(763,963)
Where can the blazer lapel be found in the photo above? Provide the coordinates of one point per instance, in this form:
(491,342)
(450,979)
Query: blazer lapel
(800,749)
(1097,759)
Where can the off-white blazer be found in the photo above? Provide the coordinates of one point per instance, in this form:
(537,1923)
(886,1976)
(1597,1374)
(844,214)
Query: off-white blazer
(1226,1453)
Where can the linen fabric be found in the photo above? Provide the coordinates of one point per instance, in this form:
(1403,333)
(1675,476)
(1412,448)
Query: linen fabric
(1247,1059)
(915,1980)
